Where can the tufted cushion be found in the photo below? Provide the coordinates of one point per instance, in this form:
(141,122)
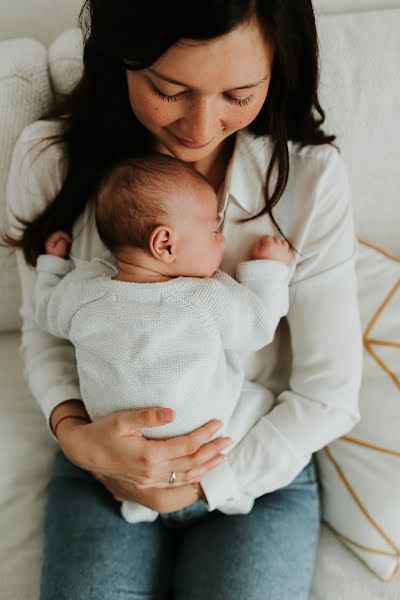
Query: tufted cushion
(25,95)
(65,61)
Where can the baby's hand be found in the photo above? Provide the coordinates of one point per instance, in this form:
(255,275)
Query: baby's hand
(58,244)
(273,248)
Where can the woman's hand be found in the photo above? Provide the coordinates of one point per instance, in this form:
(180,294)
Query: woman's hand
(113,446)
(160,500)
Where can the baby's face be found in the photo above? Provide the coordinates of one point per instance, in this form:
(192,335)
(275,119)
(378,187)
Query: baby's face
(200,243)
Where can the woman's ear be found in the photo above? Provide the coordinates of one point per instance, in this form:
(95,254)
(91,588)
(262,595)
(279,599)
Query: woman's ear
(162,244)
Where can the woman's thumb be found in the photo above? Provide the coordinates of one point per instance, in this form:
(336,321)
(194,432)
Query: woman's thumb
(153,417)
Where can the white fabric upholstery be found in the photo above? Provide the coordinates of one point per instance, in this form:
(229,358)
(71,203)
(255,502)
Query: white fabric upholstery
(25,460)
(360,92)
(339,575)
(65,61)
(25,95)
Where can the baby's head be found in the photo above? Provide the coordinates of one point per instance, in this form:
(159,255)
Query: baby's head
(165,209)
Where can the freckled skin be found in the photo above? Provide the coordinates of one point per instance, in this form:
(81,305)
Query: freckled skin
(202,112)
(223,83)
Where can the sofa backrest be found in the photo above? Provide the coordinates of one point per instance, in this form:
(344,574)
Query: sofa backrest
(360,90)
(25,96)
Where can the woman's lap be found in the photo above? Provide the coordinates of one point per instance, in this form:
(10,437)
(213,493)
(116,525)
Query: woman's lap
(268,554)
(92,553)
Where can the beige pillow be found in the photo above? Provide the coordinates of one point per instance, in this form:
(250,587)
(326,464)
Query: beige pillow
(360,472)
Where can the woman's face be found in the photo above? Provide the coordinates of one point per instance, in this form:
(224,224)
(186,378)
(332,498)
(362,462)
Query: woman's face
(199,93)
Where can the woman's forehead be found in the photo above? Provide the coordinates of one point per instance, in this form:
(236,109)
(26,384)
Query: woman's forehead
(237,59)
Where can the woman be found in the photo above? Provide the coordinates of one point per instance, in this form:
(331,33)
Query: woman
(231,88)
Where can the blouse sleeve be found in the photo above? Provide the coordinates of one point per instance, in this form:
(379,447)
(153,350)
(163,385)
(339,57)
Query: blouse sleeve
(321,402)
(34,180)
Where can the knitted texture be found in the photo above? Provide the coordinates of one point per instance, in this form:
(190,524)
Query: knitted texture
(176,343)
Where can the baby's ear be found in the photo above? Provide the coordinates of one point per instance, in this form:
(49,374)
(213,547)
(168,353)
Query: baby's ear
(163,244)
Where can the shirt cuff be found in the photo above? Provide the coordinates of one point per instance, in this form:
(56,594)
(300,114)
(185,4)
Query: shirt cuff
(219,485)
(56,396)
(53,264)
(262,269)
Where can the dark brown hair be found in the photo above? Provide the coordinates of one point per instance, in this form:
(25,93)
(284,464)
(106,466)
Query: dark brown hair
(98,124)
(135,195)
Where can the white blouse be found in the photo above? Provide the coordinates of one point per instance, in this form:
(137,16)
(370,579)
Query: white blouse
(312,369)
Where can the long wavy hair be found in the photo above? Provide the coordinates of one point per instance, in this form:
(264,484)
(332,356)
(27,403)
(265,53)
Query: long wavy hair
(98,125)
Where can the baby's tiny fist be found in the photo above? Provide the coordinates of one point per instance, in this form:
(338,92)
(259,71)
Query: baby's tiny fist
(272,248)
(58,243)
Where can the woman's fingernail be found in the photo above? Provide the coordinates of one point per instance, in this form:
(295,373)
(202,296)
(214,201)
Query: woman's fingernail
(166,414)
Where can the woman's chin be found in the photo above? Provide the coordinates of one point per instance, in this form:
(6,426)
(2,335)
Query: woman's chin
(172,147)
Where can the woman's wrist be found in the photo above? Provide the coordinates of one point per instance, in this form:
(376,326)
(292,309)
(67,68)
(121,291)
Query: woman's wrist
(75,418)
(72,408)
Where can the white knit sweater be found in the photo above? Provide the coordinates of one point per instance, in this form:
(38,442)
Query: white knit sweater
(175,343)
(178,344)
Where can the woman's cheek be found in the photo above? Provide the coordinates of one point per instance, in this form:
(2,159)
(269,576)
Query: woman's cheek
(149,111)
(251,112)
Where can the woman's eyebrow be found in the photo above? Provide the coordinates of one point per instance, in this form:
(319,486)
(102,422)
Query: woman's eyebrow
(175,82)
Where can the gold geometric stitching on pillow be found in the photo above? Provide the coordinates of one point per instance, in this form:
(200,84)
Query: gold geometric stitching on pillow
(368,345)
(351,440)
(395,553)
(370,342)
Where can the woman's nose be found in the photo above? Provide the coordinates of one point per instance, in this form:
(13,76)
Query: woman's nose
(202,121)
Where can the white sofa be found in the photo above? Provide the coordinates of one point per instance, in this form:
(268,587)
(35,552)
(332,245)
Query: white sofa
(30,75)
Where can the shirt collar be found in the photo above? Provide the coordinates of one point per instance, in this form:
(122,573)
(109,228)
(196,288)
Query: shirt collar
(247,170)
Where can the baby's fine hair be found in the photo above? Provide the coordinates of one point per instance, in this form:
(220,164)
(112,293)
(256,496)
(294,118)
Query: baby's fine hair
(133,197)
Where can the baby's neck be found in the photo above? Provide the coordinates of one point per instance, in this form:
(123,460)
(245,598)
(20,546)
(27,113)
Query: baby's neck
(137,266)
(137,274)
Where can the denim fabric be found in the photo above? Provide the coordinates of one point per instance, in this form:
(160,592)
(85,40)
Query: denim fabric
(91,553)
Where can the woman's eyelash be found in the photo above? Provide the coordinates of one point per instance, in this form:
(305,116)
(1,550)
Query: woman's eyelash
(242,101)
(237,101)
(165,97)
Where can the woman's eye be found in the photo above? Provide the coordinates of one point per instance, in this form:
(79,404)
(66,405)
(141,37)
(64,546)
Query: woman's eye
(174,97)
(240,102)
(167,98)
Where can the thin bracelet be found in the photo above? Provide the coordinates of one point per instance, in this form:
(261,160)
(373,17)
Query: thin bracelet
(69,417)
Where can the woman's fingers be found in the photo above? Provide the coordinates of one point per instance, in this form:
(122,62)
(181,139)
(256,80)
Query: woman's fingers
(182,446)
(183,478)
(131,422)
(206,453)
(187,468)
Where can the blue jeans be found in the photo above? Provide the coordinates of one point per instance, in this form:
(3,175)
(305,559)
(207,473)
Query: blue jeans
(91,553)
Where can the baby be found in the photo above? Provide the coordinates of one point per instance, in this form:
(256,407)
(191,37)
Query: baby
(157,323)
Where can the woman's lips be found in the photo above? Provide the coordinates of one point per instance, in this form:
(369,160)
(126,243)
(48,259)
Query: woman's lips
(189,143)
